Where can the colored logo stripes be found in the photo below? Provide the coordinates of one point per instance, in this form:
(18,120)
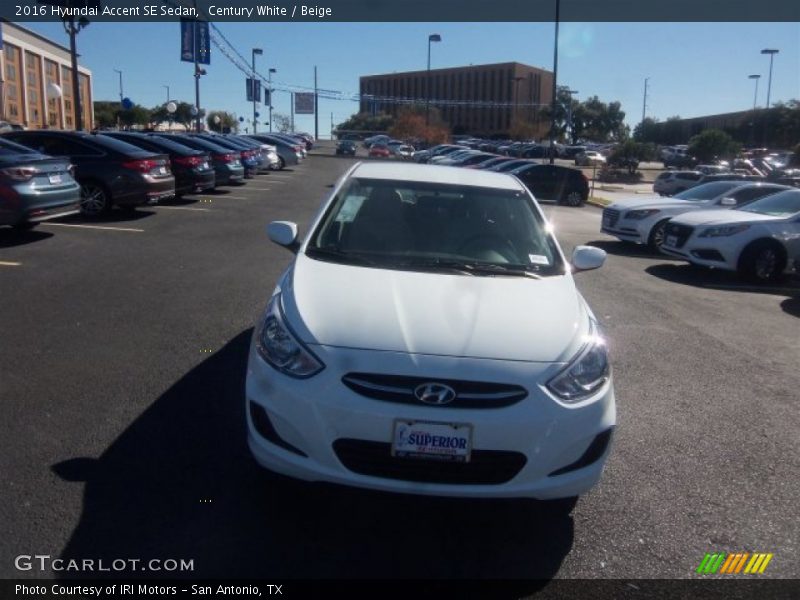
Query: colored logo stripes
(739,562)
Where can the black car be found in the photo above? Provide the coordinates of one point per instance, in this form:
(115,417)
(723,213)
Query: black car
(552,182)
(226,162)
(346,147)
(505,167)
(192,168)
(109,171)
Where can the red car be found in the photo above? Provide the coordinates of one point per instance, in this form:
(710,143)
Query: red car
(381,150)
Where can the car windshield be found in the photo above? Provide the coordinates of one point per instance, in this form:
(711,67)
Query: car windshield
(782,204)
(707,191)
(425,226)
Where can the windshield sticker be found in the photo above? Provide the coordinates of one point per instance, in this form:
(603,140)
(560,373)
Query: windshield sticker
(538,259)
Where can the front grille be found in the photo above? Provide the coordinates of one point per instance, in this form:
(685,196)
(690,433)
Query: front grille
(399,388)
(610,217)
(681,233)
(486,467)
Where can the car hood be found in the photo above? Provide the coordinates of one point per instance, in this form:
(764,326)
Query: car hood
(503,318)
(654,202)
(721,217)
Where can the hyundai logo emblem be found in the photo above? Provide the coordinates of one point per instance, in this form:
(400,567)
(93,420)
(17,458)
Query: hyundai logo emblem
(436,394)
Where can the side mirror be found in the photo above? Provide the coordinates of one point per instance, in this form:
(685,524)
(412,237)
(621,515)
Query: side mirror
(586,258)
(284,233)
(728,202)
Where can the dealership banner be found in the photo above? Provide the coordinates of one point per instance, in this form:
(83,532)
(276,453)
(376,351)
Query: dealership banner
(304,103)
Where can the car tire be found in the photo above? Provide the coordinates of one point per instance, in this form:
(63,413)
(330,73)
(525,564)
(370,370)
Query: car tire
(573,198)
(762,262)
(95,199)
(23,226)
(281,163)
(559,506)
(657,234)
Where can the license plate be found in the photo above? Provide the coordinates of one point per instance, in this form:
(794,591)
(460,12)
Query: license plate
(162,170)
(204,166)
(671,241)
(450,442)
(55,178)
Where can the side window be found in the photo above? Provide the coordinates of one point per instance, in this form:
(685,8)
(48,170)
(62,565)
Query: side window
(749,194)
(62,147)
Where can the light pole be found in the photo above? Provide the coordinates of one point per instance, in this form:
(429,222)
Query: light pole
(516,95)
(269,85)
(555,91)
(121,95)
(569,116)
(755,97)
(166,86)
(434,37)
(258,51)
(72,30)
(772,52)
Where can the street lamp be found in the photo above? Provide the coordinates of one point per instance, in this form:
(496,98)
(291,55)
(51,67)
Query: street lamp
(258,51)
(269,85)
(166,86)
(434,37)
(198,72)
(516,94)
(555,90)
(121,95)
(755,97)
(772,52)
(569,116)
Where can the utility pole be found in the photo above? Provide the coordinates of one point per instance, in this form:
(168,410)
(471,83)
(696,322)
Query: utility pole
(772,52)
(292,108)
(331,125)
(253,87)
(316,107)
(644,100)
(555,92)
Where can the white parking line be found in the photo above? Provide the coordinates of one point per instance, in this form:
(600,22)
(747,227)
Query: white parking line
(183,208)
(6,263)
(131,229)
(260,189)
(224,197)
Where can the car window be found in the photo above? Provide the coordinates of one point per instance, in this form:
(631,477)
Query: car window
(706,191)
(417,225)
(58,146)
(782,204)
(748,194)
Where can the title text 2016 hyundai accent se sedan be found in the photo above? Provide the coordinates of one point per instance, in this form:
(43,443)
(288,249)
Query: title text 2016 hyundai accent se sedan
(428,338)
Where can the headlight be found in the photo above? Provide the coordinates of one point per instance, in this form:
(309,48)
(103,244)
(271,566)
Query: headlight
(278,346)
(724,230)
(585,374)
(641,214)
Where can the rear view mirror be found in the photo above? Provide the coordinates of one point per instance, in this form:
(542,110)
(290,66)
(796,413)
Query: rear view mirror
(586,258)
(284,233)
(728,202)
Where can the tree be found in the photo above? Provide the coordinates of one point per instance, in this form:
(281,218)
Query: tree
(182,115)
(672,132)
(630,153)
(228,121)
(564,103)
(410,124)
(713,144)
(647,131)
(521,129)
(136,115)
(109,113)
(281,123)
(367,122)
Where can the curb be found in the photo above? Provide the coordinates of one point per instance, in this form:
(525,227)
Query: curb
(598,201)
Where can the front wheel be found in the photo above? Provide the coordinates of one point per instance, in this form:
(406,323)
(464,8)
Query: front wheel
(573,198)
(657,235)
(762,262)
(281,163)
(95,200)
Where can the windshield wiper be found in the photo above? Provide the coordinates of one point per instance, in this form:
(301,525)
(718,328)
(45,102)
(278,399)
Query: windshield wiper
(338,256)
(473,268)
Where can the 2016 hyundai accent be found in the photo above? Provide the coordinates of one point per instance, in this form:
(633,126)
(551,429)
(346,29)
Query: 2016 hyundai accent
(428,338)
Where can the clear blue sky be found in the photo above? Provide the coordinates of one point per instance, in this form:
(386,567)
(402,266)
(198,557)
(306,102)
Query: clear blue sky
(694,68)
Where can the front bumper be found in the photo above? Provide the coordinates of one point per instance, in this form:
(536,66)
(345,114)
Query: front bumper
(310,416)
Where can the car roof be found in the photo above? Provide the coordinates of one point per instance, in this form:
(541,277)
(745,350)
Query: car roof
(436,174)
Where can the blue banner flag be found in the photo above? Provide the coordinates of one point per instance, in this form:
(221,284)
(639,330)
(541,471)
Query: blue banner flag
(195,41)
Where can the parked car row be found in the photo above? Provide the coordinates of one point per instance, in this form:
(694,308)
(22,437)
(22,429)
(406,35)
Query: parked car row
(674,182)
(49,173)
(749,227)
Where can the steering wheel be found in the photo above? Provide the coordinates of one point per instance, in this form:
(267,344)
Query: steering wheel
(491,242)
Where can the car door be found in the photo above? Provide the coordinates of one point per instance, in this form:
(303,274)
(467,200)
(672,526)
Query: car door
(540,180)
(742,197)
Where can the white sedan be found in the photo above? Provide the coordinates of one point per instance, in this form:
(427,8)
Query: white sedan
(643,220)
(589,158)
(761,240)
(428,338)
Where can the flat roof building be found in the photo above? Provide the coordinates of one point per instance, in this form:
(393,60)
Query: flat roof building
(479,100)
(30,63)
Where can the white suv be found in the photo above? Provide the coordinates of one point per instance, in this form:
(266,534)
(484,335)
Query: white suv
(670,183)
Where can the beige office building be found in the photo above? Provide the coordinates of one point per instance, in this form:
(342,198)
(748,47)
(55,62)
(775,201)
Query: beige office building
(479,99)
(30,62)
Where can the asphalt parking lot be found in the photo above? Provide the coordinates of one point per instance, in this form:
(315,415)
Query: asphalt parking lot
(122,431)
